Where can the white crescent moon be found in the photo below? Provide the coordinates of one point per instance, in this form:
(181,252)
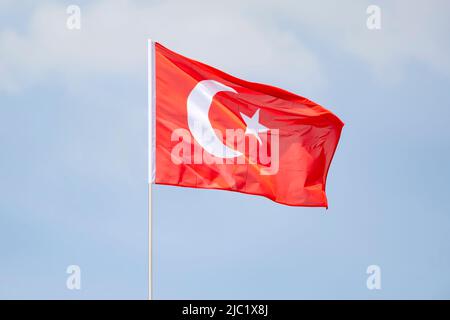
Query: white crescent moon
(198,104)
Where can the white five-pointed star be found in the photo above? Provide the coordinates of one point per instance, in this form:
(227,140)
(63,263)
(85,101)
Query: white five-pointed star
(253,125)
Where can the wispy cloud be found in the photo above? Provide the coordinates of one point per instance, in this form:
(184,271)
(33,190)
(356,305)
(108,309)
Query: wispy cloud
(263,40)
(411,32)
(113,34)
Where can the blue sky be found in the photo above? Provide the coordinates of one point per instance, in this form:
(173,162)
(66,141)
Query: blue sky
(73,166)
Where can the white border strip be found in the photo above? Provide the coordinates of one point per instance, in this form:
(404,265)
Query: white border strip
(151,155)
(151,112)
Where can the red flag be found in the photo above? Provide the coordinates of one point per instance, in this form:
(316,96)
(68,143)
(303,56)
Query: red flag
(212,130)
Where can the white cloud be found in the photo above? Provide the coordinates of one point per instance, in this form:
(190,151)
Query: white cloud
(412,32)
(113,35)
(257,40)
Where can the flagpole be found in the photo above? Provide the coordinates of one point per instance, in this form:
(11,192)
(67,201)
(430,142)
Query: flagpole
(151,154)
(150,262)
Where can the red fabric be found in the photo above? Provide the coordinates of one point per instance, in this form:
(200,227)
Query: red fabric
(308,134)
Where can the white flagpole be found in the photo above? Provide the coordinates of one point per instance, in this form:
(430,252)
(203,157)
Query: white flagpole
(151,155)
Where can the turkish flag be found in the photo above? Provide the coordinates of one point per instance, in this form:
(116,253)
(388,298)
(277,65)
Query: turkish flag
(212,130)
